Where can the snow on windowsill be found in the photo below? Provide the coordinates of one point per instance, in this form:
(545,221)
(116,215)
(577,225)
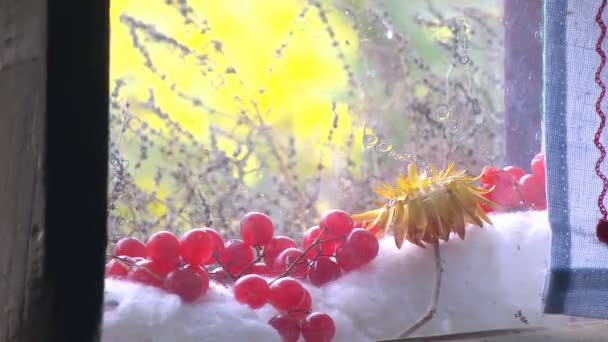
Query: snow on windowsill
(493,279)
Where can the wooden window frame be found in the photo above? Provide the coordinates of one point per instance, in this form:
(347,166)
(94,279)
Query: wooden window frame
(523,80)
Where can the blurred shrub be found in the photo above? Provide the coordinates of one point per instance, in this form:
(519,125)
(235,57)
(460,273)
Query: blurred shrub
(291,107)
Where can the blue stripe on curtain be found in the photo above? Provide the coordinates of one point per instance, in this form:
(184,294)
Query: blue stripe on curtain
(554,91)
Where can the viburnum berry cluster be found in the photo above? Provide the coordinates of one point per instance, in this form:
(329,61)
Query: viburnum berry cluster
(513,189)
(260,268)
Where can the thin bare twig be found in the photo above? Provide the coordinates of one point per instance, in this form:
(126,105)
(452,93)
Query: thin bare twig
(430,312)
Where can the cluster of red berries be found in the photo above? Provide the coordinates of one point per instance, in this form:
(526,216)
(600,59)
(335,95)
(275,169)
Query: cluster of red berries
(184,266)
(513,188)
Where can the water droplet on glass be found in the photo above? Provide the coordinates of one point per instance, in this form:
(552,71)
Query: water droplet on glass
(383,146)
(463,59)
(442,112)
(134,123)
(389,34)
(370,140)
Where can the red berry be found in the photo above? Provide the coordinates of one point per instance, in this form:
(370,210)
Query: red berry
(163,246)
(337,222)
(538,165)
(287,258)
(146,274)
(318,327)
(275,246)
(252,290)
(160,268)
(515,172)
(360,248)
(494,176)
(286,294)
(196,246)
(185,283)
(262,269)
(323,271)
(532,188)
(202,274)
(256,229)
(338,243)
(218,245)
(287,327)
(346,258)
(117,269)
(236,256)
(364,242)
(323,248)
(506,195)
(374,229)
(131,247)
(488,175)
(303,309)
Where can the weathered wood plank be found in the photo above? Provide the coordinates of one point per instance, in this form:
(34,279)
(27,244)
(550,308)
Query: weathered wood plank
(22,125)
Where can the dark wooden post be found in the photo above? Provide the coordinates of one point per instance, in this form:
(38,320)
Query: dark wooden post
(53,168)
(523,80)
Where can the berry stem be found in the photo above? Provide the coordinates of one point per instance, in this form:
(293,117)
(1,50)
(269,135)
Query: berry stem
(308,264)
(521,197)
(124,262)
(260,256)
(129,264)
(324,256)
(219,262)
(316,242)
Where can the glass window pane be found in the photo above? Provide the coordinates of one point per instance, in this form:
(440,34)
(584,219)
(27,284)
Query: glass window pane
(291,109)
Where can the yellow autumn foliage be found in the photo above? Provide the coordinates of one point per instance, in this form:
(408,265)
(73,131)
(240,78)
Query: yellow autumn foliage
(294,98)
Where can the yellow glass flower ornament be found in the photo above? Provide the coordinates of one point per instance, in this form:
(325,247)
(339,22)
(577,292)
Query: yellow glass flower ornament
(425,208)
